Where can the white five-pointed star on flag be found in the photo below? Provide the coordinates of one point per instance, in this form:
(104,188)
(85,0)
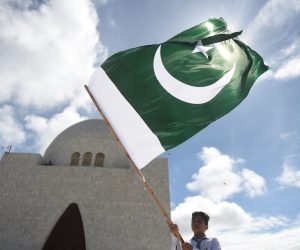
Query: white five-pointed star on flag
(203,49)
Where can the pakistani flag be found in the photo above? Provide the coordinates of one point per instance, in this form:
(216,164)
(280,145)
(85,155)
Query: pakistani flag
(158,96)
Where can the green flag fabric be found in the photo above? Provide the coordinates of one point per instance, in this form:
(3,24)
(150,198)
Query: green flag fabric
(158,96)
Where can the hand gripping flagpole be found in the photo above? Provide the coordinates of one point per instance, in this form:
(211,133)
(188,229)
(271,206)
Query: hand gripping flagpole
(135,168)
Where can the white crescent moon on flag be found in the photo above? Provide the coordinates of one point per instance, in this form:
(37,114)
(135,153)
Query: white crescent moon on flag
(184,92)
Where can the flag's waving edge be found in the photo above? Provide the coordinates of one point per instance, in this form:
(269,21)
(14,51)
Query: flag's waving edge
(140,142)
(155,97)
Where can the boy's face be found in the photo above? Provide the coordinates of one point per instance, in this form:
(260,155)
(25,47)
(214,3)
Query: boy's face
(198,225)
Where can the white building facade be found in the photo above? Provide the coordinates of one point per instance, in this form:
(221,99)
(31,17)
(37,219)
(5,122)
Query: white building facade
(82,165)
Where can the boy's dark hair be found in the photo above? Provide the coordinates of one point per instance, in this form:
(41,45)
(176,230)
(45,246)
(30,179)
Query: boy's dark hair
(203,216)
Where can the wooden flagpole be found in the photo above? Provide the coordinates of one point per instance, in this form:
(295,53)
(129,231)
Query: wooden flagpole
(135,168)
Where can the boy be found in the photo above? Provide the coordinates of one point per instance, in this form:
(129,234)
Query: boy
(199,241)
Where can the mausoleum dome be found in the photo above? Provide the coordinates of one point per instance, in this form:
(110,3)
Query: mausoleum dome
(87,143)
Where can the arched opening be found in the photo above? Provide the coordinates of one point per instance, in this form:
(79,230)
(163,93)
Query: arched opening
(87,159)
(71,222)
(99,160)
(75,159)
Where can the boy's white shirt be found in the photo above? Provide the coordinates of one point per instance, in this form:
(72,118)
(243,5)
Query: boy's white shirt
(175,244)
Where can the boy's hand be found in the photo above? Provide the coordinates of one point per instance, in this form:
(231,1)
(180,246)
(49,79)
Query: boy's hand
(174,230)
(187,246)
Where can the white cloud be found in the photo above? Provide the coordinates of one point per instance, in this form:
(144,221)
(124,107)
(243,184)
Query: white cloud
(284,62)
(219,179)
(285,135)
(290,176)
(101,1)
(254,184)
(287,238)
(271,19)
(235,228)
(265,76)
(224,215)
(47,53)
(12,132)
(228,219)
(289,69)
(292,49)
(45,130)
(277,17)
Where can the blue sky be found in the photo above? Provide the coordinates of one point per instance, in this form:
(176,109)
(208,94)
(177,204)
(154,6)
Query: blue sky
(244,169)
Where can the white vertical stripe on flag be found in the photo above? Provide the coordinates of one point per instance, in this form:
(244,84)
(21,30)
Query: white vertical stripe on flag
(140,142)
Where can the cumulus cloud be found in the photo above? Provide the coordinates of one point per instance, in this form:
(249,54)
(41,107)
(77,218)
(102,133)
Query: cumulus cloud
(254,184)
(234,227)
(225,215)
(12,132)
(45,129)
(287,238)
(218,179)
(290,176)
(48,51)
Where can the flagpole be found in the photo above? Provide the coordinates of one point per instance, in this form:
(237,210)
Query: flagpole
(135,168)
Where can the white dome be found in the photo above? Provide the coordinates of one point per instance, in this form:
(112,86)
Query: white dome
(87,137)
